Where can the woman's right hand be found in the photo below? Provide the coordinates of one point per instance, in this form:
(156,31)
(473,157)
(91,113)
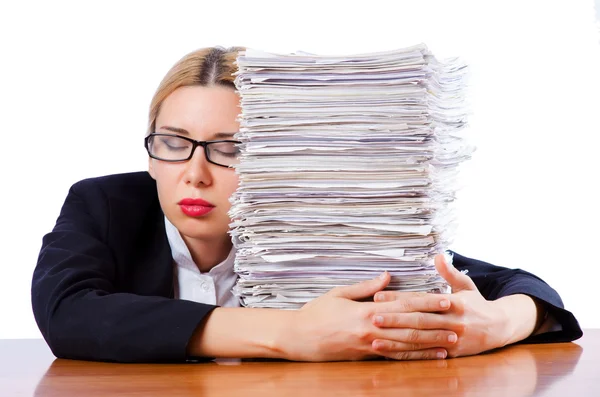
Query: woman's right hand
(337,326)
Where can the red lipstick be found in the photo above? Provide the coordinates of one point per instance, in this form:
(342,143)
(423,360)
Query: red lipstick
(195,207)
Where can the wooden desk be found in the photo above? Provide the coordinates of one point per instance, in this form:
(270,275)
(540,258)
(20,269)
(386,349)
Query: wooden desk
(569,369)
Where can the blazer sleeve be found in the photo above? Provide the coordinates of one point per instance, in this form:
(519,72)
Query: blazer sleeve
(78,309)
(495,282)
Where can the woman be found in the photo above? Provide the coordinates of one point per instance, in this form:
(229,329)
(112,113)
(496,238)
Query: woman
(139,266)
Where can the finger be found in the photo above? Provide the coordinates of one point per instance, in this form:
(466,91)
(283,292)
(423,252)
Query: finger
(383,296)
(402,302)
(395,351)
(418,339)
(364,289)
(415,320)
(429,354)
(457,280)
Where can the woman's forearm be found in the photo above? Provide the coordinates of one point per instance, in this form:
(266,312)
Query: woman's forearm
(336,326)
(242,333)
(524,315)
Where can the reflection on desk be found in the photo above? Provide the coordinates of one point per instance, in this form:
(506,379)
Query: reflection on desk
(522,370)
(513,372)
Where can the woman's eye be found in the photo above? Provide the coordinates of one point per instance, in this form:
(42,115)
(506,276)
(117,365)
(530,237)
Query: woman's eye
(176,145)
(172,147)
(230,151)
(227,154)
(227,150)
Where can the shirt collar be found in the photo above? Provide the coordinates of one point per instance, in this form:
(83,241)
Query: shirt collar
(183,258)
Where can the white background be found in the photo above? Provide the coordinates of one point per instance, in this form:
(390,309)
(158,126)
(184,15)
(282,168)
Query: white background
(76,79)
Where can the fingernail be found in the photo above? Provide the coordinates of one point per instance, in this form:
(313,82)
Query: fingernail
(452,338)
(441,354)
(378,320)
(379,297)
(448,259)
(382,276)
(445,304)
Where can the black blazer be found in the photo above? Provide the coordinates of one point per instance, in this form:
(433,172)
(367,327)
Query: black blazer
(103,285)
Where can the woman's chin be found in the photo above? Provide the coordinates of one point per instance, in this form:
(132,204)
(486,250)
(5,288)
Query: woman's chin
(202,229)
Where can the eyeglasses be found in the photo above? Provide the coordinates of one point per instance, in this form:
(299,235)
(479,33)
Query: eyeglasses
(171,147)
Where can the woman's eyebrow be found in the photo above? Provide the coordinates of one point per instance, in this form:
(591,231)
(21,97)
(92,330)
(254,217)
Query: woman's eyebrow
(186,132)
(175,129)
(224,135)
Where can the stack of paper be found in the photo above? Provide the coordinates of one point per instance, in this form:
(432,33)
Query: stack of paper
(348,169)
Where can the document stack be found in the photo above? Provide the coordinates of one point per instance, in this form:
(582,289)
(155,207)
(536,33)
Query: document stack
(348,169)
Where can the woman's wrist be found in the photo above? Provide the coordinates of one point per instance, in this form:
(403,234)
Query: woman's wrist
(282,334)
(521,316)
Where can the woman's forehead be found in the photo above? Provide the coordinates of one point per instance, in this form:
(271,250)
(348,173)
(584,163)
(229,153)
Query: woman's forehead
(197,108)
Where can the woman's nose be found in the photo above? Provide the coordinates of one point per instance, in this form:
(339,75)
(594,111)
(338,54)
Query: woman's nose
(198,169)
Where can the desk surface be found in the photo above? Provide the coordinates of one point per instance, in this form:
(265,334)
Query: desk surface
(27,367)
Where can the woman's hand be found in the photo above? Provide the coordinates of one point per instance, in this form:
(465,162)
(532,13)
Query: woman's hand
(480,324)
(336,327)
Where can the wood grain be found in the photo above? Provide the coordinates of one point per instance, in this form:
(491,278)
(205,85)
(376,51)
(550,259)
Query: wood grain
(567,369)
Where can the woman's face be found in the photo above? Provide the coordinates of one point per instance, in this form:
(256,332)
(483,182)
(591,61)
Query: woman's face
(203,114)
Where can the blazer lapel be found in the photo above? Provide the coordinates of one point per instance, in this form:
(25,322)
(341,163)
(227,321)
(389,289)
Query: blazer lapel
(139,240)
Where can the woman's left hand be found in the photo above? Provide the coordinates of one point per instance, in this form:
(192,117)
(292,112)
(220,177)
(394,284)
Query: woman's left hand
(480,324)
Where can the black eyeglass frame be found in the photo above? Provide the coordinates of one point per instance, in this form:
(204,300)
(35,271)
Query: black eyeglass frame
(194,143)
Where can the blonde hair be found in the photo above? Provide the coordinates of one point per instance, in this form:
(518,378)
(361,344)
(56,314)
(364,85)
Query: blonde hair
(204,67)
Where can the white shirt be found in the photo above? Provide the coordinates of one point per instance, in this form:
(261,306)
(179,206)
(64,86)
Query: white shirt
(213,287)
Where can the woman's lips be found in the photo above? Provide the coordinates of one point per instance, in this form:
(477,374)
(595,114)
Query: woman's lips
(195,207)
